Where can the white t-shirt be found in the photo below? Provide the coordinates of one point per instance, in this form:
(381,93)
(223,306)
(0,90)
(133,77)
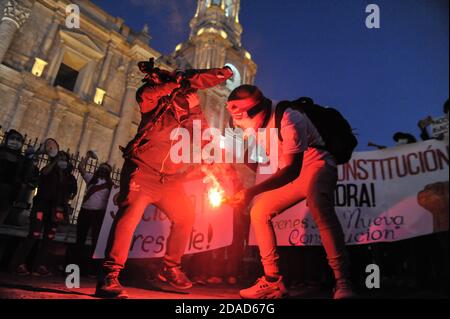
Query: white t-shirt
(299,134)
(98,200)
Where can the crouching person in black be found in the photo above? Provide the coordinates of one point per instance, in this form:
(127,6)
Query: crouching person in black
(57,186)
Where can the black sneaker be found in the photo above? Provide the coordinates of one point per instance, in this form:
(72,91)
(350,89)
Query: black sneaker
(22,270)
(110,287)
(42,271)
(344,290)
(175,277)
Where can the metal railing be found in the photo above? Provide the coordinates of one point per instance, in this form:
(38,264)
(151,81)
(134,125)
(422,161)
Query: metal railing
(75,159)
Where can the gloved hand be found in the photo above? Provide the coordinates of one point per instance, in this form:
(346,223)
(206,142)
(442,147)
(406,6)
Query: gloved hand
(227,72)
(30,152)
(228,67)
(182,80)
(59,214)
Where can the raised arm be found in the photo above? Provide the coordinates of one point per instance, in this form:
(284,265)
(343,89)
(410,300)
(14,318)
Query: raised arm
(82,165)
(204,79)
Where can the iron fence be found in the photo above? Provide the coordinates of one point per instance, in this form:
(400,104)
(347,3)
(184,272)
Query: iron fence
(75,159)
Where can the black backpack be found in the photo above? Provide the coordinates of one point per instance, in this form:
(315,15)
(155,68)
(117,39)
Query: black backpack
(334,129)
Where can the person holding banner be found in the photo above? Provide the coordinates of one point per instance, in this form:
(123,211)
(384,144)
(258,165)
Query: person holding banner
(168,102)
(439,125)
(306,171)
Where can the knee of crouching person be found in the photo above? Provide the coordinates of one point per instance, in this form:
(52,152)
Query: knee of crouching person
(261,212)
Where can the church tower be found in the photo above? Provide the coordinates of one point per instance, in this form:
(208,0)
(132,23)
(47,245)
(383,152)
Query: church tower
(215,41)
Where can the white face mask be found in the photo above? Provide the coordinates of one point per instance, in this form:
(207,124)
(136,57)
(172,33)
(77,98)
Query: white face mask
(62,164)
(402,141)
(14,145)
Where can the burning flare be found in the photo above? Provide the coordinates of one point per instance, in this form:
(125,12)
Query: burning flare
(215,196)
(216,193)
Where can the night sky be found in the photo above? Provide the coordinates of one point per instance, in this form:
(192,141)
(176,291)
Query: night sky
(383,80)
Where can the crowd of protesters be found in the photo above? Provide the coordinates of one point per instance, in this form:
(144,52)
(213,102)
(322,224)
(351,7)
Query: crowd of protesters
(48,194)
(55,188)
(419,262)
(430,128)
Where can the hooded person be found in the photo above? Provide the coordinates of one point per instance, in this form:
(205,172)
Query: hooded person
(168,102)
(11,166)
(305,170)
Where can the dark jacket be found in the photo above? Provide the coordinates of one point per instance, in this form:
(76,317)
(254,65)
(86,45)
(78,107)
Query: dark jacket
(153,152)
(57,187)
(11,164)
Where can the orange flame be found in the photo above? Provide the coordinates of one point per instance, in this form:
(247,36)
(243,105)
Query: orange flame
(216,193)
(215,196)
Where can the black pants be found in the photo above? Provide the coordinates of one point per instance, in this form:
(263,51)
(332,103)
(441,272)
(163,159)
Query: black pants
(42,222)
(88,220)
(6,201)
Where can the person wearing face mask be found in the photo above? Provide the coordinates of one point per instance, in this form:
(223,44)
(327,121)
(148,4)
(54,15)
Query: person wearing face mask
(95,201)
(306,171)
(11,164)
(56,187)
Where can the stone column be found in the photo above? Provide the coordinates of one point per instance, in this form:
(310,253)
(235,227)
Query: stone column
(129,105)
(55,60)
(23,102)
(56,118)
(85,79)
(86,135)
(198,8)
(221,54)
(244,75)
(105,67)
(222,121)
(236,11)
(14,16)
(47,44)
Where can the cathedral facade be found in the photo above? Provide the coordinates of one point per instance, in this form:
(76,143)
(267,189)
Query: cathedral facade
(78,85)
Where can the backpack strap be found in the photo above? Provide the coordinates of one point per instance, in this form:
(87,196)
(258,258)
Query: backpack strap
(279,112)
(94,189)
(298,105)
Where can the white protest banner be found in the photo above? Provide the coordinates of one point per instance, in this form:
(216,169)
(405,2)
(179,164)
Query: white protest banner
(383,195)
(211,229)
